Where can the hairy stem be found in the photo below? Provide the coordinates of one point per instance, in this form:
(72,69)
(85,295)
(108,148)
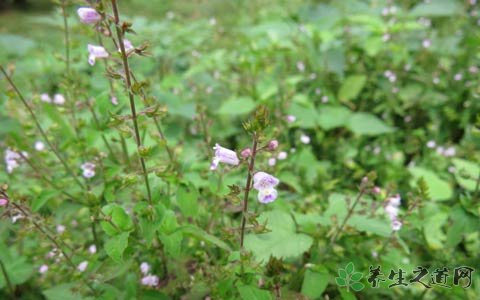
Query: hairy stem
(128,84)
(248,186)
(349,214)
(39,127)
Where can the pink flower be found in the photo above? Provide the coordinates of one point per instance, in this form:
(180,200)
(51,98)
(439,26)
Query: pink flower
(282,155)
(58,99)
(43,269)
(224,155)
(291,118)
(88,15)
(144,267)
(272,161)
(376,190)
(88,169)
(272,145)
(92,249)
(60,229)
(82,266)
(45,98)
(3,202)
(39,146)
(267,195)
(150,280)
(305,139)
(95,52)
(426,43)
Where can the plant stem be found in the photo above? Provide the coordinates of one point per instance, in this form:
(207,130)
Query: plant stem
(128,83)
(349,214)
(39,127)
(57,245)
(7,279)
(67,37)
(247,189)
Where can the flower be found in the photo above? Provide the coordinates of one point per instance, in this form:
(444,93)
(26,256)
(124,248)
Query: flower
(45,98)
(392,209)
(82,266)
(60,228)
(262,180)
(458,77)
(127,45)
(300,66)
(224,155)
(291,118)
(144,267)
(272,145)
(426,43)
(272,161)
(13,159)
(58,99)
(92,249)
(39,146)
(267,195)
(88,15)
(3,202)
(305,139)
(246,153)
(114,100)
(431,144)
(95,52)
(88,169)
(396,225)
(43,269)
(150,280)
(282,155)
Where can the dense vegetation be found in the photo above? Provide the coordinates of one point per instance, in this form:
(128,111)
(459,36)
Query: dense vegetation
(239,149)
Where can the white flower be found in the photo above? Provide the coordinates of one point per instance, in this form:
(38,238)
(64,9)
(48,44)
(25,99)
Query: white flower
(305,139)
(39,146)
(224,155)
(282,155)
(95,52)
(58,99)
(212,21)
(396,225)
(88,15)
(300,66)
(262,180)
(291,118)
(325,99)
(45,98)
(431,144)
(272,161)
(458,77)
(150,280)
(13,159)
(82,266)
(426,43)
(88,169)
(16,218)
(92,249)
(144,268)
(449,152)
(60,229)
(436,80)
(43,269)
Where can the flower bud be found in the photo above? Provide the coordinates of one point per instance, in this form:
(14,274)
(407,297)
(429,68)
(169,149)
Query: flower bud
(246,153)
(3,202)
(88,15)
(272,145)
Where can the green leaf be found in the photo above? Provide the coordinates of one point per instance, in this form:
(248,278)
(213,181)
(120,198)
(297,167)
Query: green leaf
(116,245)
(281,242)
(368,124)
(187,199)
(203,235)
(43,198)
(15,44)
(437,8)
(18,270)
(120,219)
(363,223)
(62,292)
(357,286)
(314,283)
(439,189)
(342,273)
(466,173)
(351,87)
(248,292)
(306,114)
(340,281)
(237,106)
(349,268)
(330,117)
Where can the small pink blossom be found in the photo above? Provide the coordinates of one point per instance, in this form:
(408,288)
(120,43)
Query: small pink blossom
(150,280)
(144,268)
(262,180)
(246,153)
(224,155)
(60,229)
(43,269)
(3,202)
(92,249)
(272,161)
(305,139)
(291,118)
(282,155)
(45,98)
(59,99)
(267,195)
(88,169)
(82,266)
(272,145)
(426,43)
(39,146)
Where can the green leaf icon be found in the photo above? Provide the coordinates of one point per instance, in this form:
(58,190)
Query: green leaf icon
(340,281)
(357,286)
(356,276)
(349,268)
(342,273)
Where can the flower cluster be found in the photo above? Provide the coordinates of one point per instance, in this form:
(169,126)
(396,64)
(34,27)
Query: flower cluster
(58,99)
(392,209)
(148,279)
(265,184)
